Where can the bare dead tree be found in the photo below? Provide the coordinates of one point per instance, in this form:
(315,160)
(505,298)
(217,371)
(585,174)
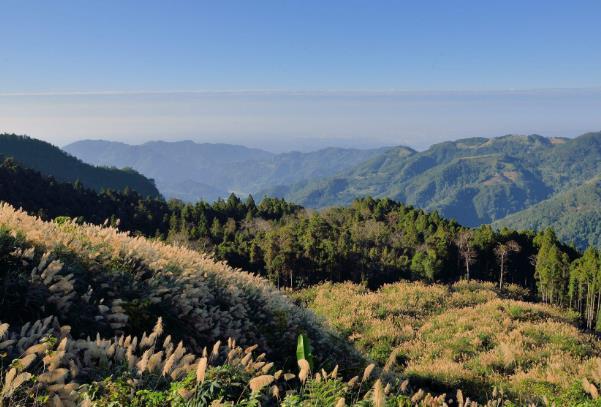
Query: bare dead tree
(466,249)
(502,251)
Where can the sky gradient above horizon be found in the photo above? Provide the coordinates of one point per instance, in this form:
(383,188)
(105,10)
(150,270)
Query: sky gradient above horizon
(296,75)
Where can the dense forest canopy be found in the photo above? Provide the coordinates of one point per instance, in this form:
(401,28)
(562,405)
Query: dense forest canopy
(52,161)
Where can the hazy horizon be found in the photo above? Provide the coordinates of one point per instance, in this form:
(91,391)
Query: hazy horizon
(282,121)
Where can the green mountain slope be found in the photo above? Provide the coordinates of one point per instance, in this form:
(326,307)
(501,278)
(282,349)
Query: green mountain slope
(573,161)
(45,197)
(575,214)
(475,180)
(50,160)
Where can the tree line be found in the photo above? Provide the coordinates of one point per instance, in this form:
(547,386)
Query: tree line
(374,241)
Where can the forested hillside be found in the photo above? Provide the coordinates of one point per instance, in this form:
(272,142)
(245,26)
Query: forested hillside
(46,197)
(194,171)
(371,241)
(474,180)
(443,332)
(50,160)
(574,213)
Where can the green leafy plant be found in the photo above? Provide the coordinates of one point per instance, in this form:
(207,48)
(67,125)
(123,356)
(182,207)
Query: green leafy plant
(303,349)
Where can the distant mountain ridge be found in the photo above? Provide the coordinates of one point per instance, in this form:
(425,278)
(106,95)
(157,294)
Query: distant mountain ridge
(475,180)
(193,171)
(52,161)
(528,180)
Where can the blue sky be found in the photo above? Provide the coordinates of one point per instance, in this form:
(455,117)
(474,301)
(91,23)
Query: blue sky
(165,51)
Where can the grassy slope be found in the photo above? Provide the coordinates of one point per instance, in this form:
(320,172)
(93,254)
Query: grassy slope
(98,280)
(64,283)
(465,336)
(200,300)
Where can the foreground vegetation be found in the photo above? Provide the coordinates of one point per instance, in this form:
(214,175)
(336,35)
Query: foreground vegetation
(64,282)
(51,368)
(99,280)
(469,335)
(92,316)
(157,311)
(373,241)
(84,281)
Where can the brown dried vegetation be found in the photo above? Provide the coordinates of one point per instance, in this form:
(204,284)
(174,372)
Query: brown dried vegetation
(91,316)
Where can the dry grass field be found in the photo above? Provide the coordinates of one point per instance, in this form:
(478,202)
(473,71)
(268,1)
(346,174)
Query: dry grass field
(466,336)
(91,316)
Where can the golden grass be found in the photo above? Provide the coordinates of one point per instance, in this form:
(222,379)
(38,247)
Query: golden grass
(442,337)
(210,300)
(461,336)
